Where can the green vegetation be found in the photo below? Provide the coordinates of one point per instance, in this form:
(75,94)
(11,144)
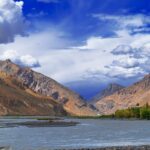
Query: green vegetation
(49,119)
(85,117)
(130,113)
(136,112)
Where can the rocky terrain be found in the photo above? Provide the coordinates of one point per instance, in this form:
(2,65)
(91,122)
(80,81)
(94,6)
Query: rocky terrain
(133,96)
(109,90)
(15,100)
(144,147)
(24,91)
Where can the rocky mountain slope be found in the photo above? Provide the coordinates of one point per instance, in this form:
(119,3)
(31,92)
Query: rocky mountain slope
(15,100)
(109,90)
(136,95)
(34,83)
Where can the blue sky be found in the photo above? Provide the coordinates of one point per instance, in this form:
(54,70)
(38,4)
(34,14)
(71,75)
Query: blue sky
(83,44)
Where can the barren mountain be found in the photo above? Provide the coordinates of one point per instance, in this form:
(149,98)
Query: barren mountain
(34,84)
(136,95)
(109,90)
(16,100)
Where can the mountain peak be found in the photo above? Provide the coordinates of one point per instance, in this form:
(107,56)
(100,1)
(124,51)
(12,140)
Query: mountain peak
(110,89)
(113,87)
(8,61)
(131,96)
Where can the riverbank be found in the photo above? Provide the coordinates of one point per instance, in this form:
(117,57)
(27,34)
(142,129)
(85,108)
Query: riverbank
(144,147)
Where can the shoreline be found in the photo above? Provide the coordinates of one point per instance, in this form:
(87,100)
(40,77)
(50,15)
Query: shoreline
(70,117)
(130,147)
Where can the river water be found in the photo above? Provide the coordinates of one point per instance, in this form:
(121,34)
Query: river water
(90,133)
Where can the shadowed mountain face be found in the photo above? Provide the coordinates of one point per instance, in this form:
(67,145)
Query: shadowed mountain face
(136,95)
(40,86)
(109,90)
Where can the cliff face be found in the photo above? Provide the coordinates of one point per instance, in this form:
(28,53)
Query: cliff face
(136,95)
(47,87)
(16,100)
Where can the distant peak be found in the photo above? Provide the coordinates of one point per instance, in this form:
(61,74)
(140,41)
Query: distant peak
(147,76)
(8,61)
(109,90)
(114,85)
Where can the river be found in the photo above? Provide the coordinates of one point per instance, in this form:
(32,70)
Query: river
(90,133)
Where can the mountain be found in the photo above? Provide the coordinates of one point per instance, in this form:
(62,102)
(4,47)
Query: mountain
(33,84)
(16,100)
(109,90)
(137,94)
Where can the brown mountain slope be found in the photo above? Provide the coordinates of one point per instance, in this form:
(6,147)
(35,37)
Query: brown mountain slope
(39,84)
(109,90)
(137,94)
(14,100)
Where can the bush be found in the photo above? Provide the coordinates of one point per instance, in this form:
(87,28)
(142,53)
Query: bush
(135,112)
(145,113)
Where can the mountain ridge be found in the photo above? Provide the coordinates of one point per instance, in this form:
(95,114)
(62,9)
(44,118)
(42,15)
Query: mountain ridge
(47,87)
(15,100)
(132,96)
(109,90)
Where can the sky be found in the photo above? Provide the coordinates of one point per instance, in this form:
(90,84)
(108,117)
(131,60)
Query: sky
(83,44)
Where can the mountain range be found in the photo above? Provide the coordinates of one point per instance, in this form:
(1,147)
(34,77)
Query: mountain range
(26,92)
(135,95)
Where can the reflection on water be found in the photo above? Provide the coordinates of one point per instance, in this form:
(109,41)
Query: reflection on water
(89,133)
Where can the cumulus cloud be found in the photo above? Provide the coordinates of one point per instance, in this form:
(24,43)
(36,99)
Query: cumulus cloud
(123,49)
(22,60)
(126,62)
(11,20)
(129,53)
(88,61)
(99,58)
(121,72)
(131,61)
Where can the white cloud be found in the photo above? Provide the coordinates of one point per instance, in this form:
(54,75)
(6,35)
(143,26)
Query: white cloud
(133,63)
(85,62)
(11,20)
(10,54)
(121,72)
(123,37)
(127,62)
(23,60)
(30,61)
(123,49)
(130,52)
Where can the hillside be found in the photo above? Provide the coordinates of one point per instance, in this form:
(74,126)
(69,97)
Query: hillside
(15,100)
(35,84)
(136,95)
(109,90)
